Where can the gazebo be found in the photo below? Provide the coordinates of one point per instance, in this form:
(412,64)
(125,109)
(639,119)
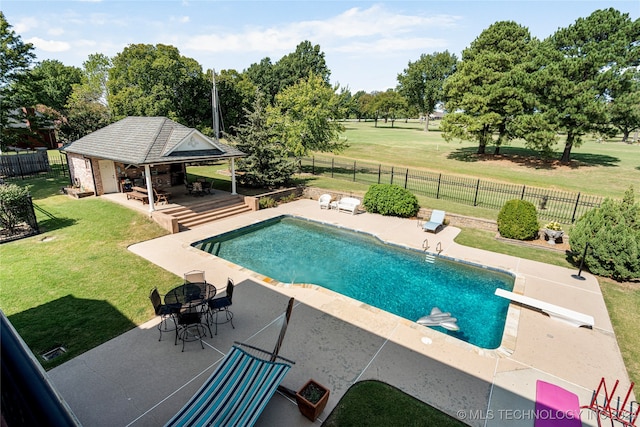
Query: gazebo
(150,152)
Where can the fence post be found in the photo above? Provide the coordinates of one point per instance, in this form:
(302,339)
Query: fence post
(391,182)
(575,208)
(475,199)
(332,160)
(379,172)
(354,171)
(313,165)
(523,189)
(438,192)
(406,178)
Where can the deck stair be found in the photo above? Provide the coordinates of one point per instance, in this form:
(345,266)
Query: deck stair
(208,211)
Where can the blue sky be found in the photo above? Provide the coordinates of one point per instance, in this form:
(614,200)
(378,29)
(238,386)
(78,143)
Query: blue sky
(366,44)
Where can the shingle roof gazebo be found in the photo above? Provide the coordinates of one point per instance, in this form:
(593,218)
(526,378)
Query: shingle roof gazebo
(151,151)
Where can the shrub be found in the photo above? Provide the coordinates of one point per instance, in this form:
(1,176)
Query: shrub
(14,205)
(613,233)
(518,219)
(390,200)
(267,202)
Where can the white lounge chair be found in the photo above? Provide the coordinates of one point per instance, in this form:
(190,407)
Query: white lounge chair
(435,222)
(324,201)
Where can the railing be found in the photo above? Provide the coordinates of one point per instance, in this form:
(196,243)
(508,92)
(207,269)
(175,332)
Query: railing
(562,206)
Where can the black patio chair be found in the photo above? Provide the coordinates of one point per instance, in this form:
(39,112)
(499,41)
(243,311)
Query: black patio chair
(216,305)
(190,327)
(163,310)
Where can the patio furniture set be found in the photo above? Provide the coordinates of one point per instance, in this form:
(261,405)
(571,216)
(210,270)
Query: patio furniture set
(192,307)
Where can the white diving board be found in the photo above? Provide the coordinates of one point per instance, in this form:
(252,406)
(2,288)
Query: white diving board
(555,312)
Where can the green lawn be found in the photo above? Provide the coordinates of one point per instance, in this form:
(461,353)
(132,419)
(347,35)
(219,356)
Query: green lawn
(604,169)
(373,403)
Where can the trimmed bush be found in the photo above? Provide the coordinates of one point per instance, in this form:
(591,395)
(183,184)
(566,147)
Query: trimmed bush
(14,205)
(518,220)
(390,200)
(613,233)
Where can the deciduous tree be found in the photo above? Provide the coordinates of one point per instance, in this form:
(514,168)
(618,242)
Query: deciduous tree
(305,117)
(422,81)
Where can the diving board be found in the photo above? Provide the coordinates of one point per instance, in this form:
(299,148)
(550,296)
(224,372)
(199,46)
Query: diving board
(571,317)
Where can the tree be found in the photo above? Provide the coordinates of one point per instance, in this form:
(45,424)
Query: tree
(485,93)
(289,70)
(236,96)
(613,234)
(304,117)
(15,59)
(87,108)
(49,83)
(421,82)
(306,59)
(147,80)
(623,110)
(15,55)
(267,163)
(571,77)
(389,104)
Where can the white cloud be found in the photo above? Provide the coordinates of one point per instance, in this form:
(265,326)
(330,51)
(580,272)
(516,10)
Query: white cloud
(24,25)
(355,30)
(49,45)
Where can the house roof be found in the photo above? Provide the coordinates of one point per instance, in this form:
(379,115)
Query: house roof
(151,140)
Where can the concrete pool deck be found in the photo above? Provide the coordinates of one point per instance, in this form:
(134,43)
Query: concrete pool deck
(136,380)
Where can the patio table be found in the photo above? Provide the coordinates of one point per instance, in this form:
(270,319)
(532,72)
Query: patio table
(189,295)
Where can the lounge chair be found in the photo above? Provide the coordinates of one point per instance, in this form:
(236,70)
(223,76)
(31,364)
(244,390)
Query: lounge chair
(435,222)
(556,406)
(324,201)
(239,389)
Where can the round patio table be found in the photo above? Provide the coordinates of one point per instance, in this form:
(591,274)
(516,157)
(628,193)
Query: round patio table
(189,295)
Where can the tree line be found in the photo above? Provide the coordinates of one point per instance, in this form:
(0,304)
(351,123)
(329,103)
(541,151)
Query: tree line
(507,85)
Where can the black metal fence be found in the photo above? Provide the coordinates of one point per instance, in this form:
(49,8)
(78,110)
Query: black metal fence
(33,164)
(562,206)
(18,220)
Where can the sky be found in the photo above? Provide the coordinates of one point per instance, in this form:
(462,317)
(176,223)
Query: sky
(366,44)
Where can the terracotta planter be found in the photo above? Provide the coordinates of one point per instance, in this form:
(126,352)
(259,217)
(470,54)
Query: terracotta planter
(311,399)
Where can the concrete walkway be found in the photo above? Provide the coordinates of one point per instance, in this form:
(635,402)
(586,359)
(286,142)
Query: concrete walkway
(136,380)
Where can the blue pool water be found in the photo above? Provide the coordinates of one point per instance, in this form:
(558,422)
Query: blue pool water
(358,265)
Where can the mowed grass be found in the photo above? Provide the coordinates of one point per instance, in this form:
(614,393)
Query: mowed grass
(604,169)
(76,285)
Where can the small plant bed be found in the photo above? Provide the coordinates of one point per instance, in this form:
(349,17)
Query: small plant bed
(374,403)
(78,193)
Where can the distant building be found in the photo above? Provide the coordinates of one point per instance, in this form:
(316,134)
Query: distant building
(31,129)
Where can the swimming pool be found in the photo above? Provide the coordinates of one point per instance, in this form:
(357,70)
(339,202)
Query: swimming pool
(360,266)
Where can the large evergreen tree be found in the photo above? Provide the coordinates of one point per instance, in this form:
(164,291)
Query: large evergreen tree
(267,163)
(572,77)
(484,95)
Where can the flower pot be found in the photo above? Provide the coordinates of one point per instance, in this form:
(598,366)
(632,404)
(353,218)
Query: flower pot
(553,236)
(311,399)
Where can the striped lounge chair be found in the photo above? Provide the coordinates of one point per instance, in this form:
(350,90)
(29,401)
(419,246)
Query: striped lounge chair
(239,389)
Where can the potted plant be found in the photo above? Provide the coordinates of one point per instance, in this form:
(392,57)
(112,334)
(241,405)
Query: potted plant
(553,232)
(311,399)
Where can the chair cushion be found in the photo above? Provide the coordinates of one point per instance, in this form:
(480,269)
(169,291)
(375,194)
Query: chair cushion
(219,302)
